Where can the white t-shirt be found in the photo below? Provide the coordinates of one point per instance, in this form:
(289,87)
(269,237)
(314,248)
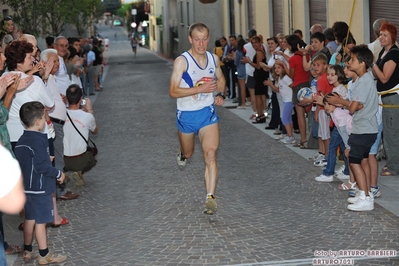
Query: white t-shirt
(250,53)
(74,144)
(59,110)
(37,91)
(106,41)
(285,90)
(9,172)
(62,77)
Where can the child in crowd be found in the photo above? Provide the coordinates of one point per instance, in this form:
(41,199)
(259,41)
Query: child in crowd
(336,77)
(282,86)
(343,125)
(314,126)
(32,153)
(320,65)
(363,107)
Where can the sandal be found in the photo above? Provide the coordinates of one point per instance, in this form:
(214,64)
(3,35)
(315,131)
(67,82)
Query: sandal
(385,172)
(63,222)
(347,186)
(301,144)
(13,249)
(253,116)
(21,226)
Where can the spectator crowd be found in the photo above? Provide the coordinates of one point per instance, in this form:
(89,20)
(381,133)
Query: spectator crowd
(340,97)
(45,123)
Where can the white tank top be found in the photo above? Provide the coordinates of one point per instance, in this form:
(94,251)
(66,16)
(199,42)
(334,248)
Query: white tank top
(196,76)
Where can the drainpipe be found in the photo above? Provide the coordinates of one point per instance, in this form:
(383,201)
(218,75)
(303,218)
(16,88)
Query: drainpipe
(290,16)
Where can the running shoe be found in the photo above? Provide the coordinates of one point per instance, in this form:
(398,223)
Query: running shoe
(210,205)
(181,159)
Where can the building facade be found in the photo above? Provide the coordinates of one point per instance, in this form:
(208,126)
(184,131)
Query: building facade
(269,17)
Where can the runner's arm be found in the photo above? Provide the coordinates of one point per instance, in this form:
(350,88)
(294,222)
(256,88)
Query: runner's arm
(221,82)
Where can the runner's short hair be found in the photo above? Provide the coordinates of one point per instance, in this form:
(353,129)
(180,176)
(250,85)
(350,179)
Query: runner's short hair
(198,26)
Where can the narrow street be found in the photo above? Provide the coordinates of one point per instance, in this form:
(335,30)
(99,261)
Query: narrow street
(138,208)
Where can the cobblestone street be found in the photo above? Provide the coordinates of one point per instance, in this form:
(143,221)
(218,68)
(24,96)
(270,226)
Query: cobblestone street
(138,208)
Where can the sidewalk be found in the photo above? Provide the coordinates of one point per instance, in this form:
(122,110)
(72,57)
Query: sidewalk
(389,186)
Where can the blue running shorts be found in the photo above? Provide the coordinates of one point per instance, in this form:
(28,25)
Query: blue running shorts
(192,121)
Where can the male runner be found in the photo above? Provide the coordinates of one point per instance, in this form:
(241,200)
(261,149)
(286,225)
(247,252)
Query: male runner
(196,76)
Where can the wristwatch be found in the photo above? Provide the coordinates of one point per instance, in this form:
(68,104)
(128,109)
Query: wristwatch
(221,94)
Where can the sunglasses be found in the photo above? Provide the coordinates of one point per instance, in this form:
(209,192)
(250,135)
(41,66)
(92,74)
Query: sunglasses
(7,18)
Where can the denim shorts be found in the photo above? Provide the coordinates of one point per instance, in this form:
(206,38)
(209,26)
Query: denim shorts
(39,207)
(192,121)
(374,148)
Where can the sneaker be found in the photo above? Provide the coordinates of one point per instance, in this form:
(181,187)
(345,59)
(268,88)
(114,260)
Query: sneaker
(210,205)
(29,255)
(342,176)
(181,159)
(281,137)
(277,132)
(363,203)
(51,258)
(340,169)
(241,107)
(352,193)
(320,163)
(248,104)
(324,178)
(376,192)
(317,157)
(78,179)
(288,140)
(358,192)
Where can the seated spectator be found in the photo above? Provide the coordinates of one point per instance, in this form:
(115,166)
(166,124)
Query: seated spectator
(75,156)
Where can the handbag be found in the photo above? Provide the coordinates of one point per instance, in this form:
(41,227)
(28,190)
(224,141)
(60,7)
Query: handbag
(91,146)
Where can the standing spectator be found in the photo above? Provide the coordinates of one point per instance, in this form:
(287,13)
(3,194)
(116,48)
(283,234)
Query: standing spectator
(282,87)
(363,107)
(97,64)
(57,117)
(260,76)
(232,68)
(249,70)
(226,67)
(375,46)
(277,101)
(239,54)
(7,31)
(300,79)
(316,28)
(386,69)
(32,154)
(90,57)
(8,87)
(12,196)
(106,43)
(61,44)
(330,40)
(20,60)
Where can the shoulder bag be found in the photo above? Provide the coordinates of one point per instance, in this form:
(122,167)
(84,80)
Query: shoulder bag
(91,146)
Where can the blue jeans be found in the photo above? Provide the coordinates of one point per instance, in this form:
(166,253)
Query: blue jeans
(335,140)
(3,261)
